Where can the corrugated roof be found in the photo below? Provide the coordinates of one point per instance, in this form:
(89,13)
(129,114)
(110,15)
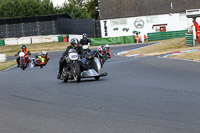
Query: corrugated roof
(131,8)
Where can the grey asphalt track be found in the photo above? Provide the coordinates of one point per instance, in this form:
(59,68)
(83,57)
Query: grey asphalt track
(140,95)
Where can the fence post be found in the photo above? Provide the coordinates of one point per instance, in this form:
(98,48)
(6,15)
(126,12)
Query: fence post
(6,25)
(38,27)
(22,26)
(194,35)
(53,27)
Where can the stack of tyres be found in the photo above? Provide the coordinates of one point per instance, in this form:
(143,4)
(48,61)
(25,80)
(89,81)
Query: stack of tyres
(60,39)
(2,43)
(65,39)
(189,39)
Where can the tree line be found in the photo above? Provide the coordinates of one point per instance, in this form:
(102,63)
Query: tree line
(24,8)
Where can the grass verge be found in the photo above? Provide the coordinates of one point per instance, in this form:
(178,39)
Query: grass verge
(166,47)
(190,56)
(35,48)
(7,64)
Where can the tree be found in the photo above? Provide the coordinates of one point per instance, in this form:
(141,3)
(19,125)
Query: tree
(75,9)
(23,8)
(91,9)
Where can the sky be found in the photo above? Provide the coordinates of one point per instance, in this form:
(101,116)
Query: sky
(58,2)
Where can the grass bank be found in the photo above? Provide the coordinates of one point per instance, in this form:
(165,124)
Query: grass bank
(190,56)
(7,64)
(167,47)
(34,48)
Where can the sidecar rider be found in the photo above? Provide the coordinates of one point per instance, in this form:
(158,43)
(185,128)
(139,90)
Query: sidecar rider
(42,59)
(107,49)
(74,45)
(26,52)
(85,40)
(101,54)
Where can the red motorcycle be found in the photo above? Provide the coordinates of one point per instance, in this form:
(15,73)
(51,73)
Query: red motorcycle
(24,61)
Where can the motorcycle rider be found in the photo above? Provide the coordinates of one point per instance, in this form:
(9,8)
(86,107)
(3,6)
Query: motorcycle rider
(107,49)
(74,45)
(26,52)
(85,40)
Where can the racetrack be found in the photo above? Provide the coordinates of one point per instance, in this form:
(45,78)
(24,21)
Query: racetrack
(139,95)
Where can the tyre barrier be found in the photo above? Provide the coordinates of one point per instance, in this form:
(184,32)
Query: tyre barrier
(3,58)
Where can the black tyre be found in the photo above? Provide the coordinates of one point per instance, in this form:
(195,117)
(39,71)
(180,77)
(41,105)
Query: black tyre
(64,75)
(66,80)
(97,77)
(41,67)
(22,64)
(77,72)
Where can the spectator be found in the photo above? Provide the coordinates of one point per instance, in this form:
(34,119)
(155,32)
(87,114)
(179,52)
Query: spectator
(137,38)
(145,38)
(197,28)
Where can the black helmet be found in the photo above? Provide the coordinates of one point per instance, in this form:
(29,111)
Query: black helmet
(24,47)
(74,41)
(85,35)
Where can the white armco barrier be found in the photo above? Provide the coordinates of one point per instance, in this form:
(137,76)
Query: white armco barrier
(24,40)
(75,36)
(47,39)
(36,39)
(11,41)
(3,57)
(54,38)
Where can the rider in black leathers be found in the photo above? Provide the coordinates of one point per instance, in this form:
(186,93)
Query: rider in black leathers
(74,45)
(85,40)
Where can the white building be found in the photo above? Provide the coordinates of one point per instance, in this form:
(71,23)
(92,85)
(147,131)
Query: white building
(145,24)
(124,17)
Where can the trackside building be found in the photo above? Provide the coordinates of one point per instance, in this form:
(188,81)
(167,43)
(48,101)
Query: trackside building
(144,16)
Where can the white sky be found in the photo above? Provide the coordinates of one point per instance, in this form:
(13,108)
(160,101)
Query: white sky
(58,2)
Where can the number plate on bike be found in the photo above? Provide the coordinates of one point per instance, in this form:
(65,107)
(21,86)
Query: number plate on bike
(73,56)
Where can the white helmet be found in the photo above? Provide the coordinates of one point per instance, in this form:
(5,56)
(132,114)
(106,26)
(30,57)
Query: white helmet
(44,52)
(107,46)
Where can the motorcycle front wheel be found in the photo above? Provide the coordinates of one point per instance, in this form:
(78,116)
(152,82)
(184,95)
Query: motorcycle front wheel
(22,64)
(65,75)
(77,72)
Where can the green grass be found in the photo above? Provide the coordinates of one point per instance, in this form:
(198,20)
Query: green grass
(7,64)
(34,48)
(190,56)
(166,47)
